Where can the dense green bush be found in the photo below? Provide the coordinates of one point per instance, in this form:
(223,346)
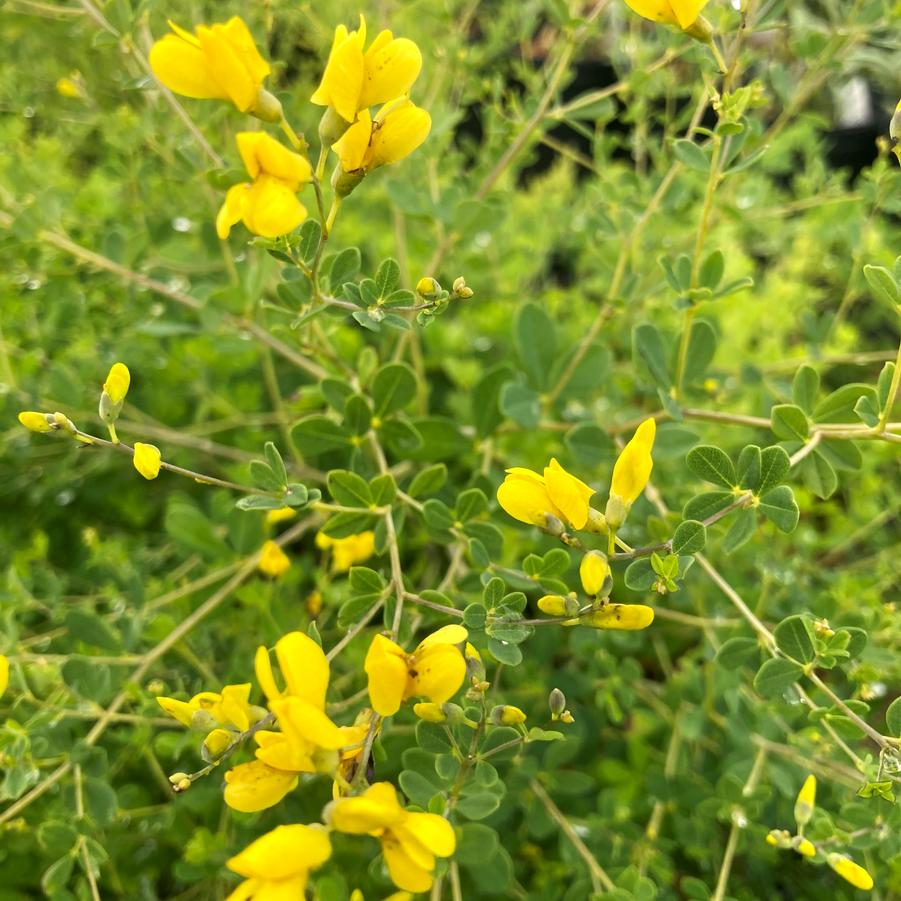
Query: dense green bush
(649,226)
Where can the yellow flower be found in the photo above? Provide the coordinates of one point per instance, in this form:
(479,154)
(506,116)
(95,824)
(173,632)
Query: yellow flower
(507,715)
(117,382)
(268,206)
(217,742)
(308,741)
(36,422)
(147,460)
(683,14)
(633,466)
(430,712)
(410,841)
(593,571)
(435,670)
(530,498)
(4,674)
(273,560)
(396,131)
(623,617)
(354,80)
(231,708)
(346,552)
(273,517)
(71,87)
(806,800)
(276,866)
(804,846)
(850,871)
(217,62)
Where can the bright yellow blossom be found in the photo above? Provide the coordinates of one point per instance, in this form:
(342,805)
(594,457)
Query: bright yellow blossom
(217,62)
(804,846)
(147,460)
(630,475)
(268,206)
(71,87)
(530,498)
(273,560)
(346,552)
(850,871)
(396,131)
(276,866)
(231,708)
(435,670)
(593,571)
(622,617)
(355,79)
(4,674)
(273,517)
(684,14)
(806,800)
(410,841)
(36,422)
(507,715)
(117,382)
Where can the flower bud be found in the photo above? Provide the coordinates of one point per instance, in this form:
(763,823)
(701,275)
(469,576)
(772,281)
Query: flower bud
(37,422)
(117,383)
(506,715)
(850,871)
(461,291)
(344,183)
(778,838)
(475,668)
(203,721)
(267,107)
(331,127)
(553,525)
(593,571)
(215,743)
(557,605)
(147,460)
(63,423)
(557,702)
(428,288)
(804,846)
(325,760)
(806,800)
(597,523)
(430,712)
(616,511)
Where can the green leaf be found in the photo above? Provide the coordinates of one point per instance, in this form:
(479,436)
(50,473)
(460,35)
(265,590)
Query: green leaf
(736,652)
(689,154)
(349,489)
(365,581)
(707,504)
(193,531)
(342,525)
(417,788)
(712,464)
(521,403)
(839,405)
(788,422)
(648,347)
(357,414)
(639,575)
(276,463)
(344,268)
(260,502)
(485,399)
(263,477)
(57,876)
(744,524)
(393,388)
(505,652)
(387,278)
(588,444)
(749,467)
(776,676)
(428,481)
(700,352)
(316,435)
(893,718)
(310,236)
(690,537)
(805,388)
(474,616)
(477,806)
(780,508)
(477,845)
(384,489)
(794,637)
(87,626)
(841,454)
(819,475)
(883,284)
(775,465)
(437,515)
(536,344)
(712,269)
(470,504)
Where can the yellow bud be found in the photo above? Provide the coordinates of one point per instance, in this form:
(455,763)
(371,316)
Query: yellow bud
(4,674)
(806,800)
(804,846)
(117,382)
(314,603)
(778,838)
(506,715)
(276,516)
(431,713)
(428,288)
(63,423)
(67,87)
(633,466)
(216,742)
(459,284)
(175,778)
(593,572)
(36,422)
(147,460)
(183,786)
(567,717)
(553,605)
(624,617)
(273,560)
(850,871)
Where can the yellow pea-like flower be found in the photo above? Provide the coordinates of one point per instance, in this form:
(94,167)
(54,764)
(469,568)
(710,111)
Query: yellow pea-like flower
(278,865)
(230,708)
(684,14)
(430,712)
(806,800)
(355,79)
(593,571)
(630,475)
(396,131)
(216,742)
(507,715)
(850,871)
(531,498)
(554,605)
(117,383)
(435,670)
(35,422)
(623,617)
(268,205)
(217,62)
(4,674)
(410,841)
(347,552)
(273,560)
(147,460)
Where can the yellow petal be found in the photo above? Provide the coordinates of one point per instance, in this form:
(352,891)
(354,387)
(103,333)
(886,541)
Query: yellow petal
(386,669)
(593,572)
(4,674)
(687,11)
(263,668)
(272,209)
(147,460)
(235,709)
(569,494)
(404,871)
(35,422)
(439,672)
(246,889)
(376,809)
(273,560)
(241,40)
(284,852)
(304,667)
(655,10)
(282,754)
(430,830)
(273,517)
(182,67)
(390,68)
(232,210)
(226,67)
(633,466)
(302,722)
(805,847)
(806,800)
(181,710)
(353,144)
(255,786)
(342,80)
(263,155)
(117,382)
(524,497)
(625,617)
(452,634)
(399,134)
(850,871)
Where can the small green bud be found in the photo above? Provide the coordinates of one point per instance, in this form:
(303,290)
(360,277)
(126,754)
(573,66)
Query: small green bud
(557,702)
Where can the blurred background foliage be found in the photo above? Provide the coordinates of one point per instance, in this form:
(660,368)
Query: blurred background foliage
(92,557)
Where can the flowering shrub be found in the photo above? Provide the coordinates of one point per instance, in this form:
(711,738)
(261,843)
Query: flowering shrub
(520,511)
